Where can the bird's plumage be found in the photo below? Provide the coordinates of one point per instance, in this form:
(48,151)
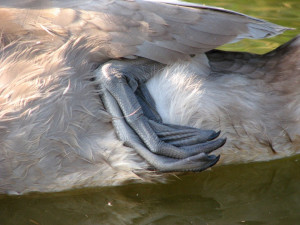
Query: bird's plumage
(54,131)
(158,30)
(253,99)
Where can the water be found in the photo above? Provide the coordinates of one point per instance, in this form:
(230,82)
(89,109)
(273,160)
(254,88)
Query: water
(254,194)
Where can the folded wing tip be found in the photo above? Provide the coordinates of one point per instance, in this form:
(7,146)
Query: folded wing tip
(257,28)
(265,30)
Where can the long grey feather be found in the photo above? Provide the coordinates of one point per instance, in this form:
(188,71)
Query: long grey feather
(146,28)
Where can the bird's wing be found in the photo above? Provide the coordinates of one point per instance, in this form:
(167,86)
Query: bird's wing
(160,30)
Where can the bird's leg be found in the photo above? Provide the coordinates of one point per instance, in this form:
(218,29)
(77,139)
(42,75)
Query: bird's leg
(118,81)
(147,103)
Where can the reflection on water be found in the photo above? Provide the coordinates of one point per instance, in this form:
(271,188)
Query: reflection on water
(257,193)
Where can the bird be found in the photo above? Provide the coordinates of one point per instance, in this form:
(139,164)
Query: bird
(100,93)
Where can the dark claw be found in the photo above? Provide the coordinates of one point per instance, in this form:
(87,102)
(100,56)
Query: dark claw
(215,135)
(207,147)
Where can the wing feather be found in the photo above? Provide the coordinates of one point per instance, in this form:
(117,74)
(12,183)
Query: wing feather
(159,30)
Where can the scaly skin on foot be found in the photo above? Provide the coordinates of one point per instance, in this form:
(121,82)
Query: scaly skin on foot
(166,147)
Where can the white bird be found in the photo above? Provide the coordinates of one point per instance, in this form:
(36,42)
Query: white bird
(58,56)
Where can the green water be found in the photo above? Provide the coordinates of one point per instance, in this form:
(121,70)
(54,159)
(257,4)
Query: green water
(256,193)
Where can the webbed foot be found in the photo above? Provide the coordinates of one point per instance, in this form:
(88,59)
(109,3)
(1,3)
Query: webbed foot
(166,147)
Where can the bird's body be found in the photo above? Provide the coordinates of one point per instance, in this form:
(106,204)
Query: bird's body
(55,133)
(253,99)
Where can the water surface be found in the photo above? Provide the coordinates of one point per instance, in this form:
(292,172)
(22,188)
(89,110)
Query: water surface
(254,194)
